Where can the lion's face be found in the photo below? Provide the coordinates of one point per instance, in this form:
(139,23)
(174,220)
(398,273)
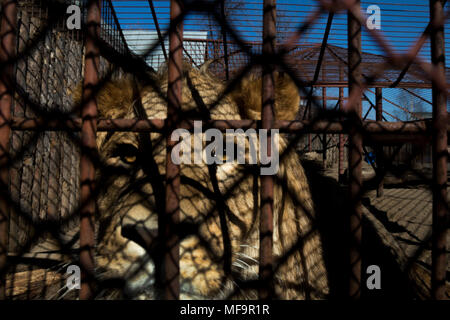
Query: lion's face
(219,207)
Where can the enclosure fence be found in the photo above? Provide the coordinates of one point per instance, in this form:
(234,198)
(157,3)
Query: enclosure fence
(42,128)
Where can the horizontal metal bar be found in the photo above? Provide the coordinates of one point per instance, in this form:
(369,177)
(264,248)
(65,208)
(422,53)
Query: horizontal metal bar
(284,126)
(133,125)
(376,84)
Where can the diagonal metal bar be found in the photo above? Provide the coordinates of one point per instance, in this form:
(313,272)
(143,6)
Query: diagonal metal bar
(418,46)
(417,96)
(158,30)
(319,62)
(119,28)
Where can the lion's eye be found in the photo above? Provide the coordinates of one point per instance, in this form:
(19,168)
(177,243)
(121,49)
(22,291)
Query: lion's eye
(129,159)
(127,153)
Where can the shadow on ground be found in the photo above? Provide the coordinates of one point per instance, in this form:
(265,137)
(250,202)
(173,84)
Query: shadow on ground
(332,210)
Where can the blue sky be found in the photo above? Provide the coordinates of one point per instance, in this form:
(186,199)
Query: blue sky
(401,23)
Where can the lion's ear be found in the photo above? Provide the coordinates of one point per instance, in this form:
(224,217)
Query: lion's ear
(247,95)
(204,68)
(114,100)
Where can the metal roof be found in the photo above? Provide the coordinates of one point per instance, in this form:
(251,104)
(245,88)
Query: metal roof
(334,68)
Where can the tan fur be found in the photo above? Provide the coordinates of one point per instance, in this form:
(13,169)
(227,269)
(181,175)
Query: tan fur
(248,95)
(113,99)
(300,276)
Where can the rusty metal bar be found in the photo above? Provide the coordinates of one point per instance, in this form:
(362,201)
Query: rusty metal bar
(381,84)
(319,61)
(341,140)
(396,105)
(158,30)
(118,27)
(267,181)
(421,127)
(355,151)
(415,51)
(8,34)
(324,136)
(130,125)
(88,149)
(440,156)
(224,38)
(309,142)
(171,216)
(379,152)
(417,96)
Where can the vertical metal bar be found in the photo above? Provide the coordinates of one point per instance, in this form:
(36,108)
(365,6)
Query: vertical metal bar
(118,28)
(355,151)
(309,142)
(379,104)
(324,136)
(224,39)
(319,62)
(8,34)
(341,139)
(440,156)
(341,177)
(267,181)
(171,217)
(379,152)
(89,148)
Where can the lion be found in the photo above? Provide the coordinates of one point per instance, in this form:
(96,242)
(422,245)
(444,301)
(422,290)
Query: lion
(131,195)
(219,204)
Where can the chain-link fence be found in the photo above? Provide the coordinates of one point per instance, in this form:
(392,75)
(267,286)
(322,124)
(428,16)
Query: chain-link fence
(90,152)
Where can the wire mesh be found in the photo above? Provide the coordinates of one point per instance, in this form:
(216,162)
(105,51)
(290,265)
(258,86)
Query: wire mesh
(162,230)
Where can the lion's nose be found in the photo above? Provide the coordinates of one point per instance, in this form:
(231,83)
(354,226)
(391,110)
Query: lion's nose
(139,234)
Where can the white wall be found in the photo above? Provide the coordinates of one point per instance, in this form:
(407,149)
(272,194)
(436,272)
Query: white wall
(139,41)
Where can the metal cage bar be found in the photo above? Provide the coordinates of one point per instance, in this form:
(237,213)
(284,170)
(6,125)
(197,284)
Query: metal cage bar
(267,181)
(8,34)
(380,152)
(355,151)
(440,156)
(89,149)
(172,212)
(88,124)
